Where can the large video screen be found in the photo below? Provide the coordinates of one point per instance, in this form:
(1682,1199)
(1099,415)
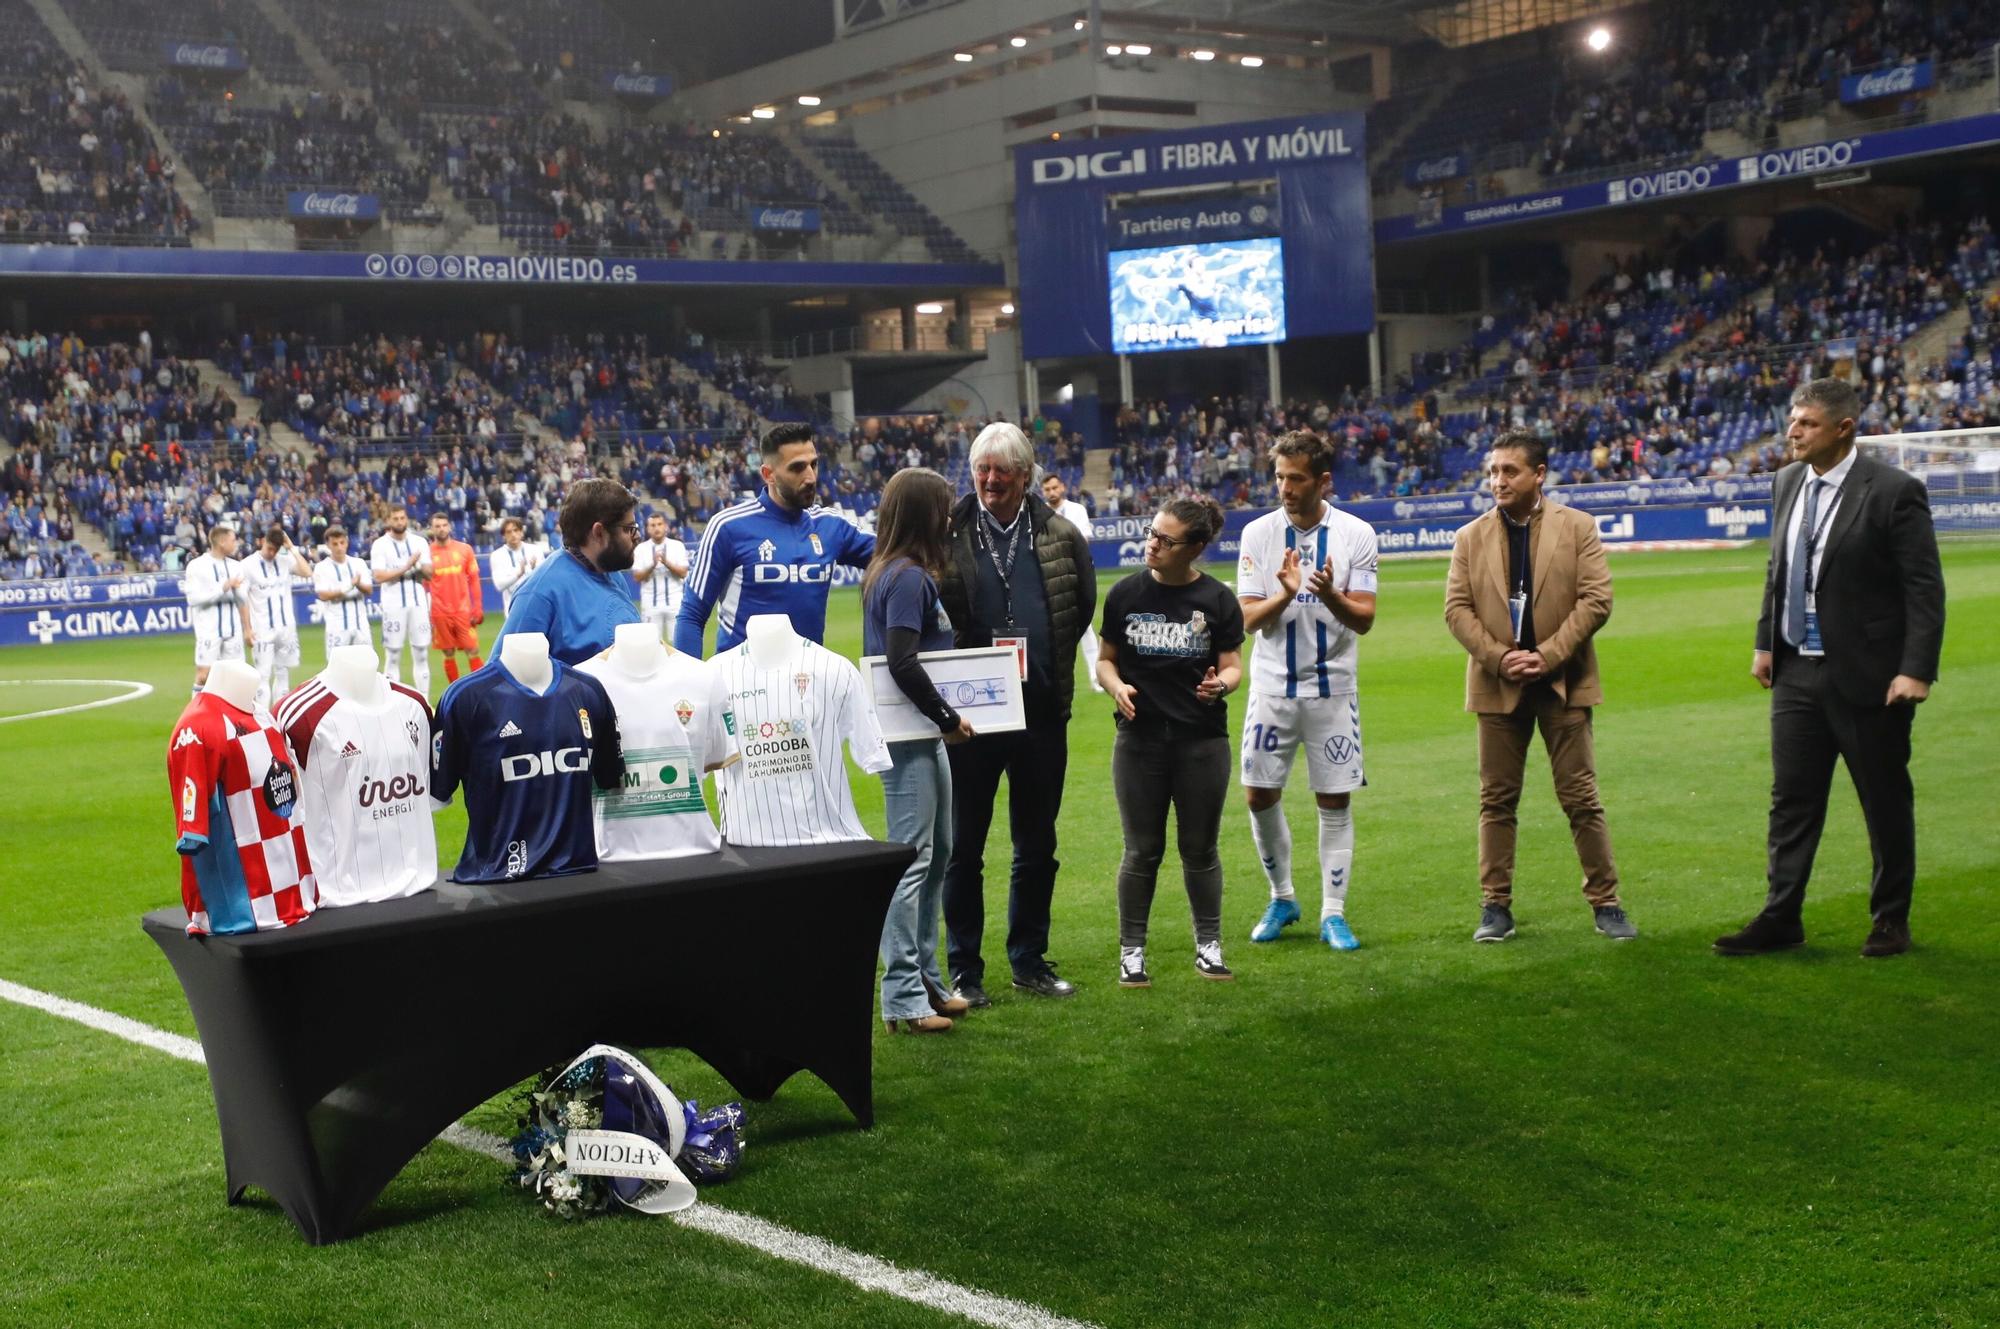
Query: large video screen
(1184,297)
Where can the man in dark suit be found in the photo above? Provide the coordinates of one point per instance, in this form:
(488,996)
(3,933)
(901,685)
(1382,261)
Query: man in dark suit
(1848,644)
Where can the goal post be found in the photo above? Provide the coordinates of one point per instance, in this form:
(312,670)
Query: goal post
(1960,467)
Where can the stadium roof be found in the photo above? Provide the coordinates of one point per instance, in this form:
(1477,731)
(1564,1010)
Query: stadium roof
(1376,20)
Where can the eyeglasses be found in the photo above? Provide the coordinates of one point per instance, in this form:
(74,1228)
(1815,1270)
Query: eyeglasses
(629,528)
(1170,541)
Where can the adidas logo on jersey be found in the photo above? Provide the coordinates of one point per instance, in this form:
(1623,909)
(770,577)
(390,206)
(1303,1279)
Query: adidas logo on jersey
(350,750)
(186,737)
(510,730)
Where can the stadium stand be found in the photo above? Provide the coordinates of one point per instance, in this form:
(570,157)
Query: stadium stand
(131,37)
(76,167)
(881,195)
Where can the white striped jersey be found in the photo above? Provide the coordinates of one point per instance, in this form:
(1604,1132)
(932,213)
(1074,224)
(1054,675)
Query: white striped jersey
(661,592)
(791,785)
(269,582)
(673,724)
(1306,651)
(350,577)
(212,606)
(388,554)
(364,784)
(509,569)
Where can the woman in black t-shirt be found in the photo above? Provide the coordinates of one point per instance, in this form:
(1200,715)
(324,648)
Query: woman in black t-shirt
(1170,651)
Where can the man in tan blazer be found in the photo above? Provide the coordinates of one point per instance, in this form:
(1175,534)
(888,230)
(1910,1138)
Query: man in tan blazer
(1528,590)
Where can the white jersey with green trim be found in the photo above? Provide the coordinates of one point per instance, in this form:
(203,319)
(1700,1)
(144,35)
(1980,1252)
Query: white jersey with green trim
(673,725)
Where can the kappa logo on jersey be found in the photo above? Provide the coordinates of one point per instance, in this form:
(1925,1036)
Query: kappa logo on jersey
(684,710)
(583,718)
(510,730)
(529,765)
(350,750)
(807,574)
(186,737)
(766,551)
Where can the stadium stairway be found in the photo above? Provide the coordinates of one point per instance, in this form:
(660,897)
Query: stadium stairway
(1934,340)
(1388,148)
(1097,470)
(457,221)
(78,48)
(280,434)
(884,234)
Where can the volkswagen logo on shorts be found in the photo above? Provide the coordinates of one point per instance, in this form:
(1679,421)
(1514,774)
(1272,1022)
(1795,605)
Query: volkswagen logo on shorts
(400,265)
(427,266)
(1339,750)
(376,265)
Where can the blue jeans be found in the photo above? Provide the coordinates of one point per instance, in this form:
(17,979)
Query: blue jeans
(916,792)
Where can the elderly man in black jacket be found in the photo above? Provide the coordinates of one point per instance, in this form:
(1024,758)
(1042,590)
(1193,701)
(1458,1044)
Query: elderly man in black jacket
(1020,575)
(1848,643)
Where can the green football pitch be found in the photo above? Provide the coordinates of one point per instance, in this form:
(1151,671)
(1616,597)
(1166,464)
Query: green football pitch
(1557,1131)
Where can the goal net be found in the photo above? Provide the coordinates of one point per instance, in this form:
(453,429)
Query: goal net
(1960,467)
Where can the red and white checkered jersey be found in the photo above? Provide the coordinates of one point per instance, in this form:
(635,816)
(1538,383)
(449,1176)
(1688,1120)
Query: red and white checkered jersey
(244,865)
(364,790)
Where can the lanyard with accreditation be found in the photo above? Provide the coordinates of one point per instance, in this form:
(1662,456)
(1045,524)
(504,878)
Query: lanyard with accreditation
(1013,637)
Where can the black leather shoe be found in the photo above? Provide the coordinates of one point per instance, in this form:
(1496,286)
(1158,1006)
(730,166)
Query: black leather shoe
(972,994)
(1886,939)
(1762,936)
(1044,983)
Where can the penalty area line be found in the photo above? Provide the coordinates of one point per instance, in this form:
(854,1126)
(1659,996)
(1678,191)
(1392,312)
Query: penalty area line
(773,1239)
(133,692)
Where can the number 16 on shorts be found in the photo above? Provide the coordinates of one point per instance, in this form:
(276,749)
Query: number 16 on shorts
(1328,728)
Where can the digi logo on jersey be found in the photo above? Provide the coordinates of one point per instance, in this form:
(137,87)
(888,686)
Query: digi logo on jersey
(808,574)
(530,765)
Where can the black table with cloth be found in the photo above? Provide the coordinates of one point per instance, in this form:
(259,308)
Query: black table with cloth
(339,1048)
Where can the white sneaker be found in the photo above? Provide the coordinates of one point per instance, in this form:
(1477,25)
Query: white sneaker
(1208,961)
(1132,968)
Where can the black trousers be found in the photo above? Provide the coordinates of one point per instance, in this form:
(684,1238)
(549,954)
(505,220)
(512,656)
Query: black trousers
(1152,770)
(1034,761)
(1811,726)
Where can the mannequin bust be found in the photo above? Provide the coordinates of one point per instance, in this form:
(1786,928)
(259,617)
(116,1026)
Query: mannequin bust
(526,655)
(773,643)
(234,682)
(636,649)
(352,672)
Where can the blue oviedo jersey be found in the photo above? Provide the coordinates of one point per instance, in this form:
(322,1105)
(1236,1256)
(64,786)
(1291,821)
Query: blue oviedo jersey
(527,762)
(759,558)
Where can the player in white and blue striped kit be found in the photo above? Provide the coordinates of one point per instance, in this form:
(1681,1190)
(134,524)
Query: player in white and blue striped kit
(1306,581)
(773,554)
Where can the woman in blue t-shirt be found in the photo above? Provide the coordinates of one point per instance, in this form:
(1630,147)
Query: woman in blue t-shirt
(900,616)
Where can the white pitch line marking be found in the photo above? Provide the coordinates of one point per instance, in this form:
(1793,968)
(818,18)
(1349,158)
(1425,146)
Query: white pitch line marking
(773,1239)
(137,690)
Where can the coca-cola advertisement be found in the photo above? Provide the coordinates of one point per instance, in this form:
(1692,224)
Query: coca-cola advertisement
(204,57)
(333,205)
(784,217)
(1889,81)
(654,86)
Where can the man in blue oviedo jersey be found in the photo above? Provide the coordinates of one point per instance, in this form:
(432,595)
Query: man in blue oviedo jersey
(773,554)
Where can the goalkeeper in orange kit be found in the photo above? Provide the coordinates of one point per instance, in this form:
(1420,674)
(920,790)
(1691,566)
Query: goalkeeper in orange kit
(457,608)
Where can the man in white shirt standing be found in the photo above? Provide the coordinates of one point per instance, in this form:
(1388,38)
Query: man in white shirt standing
(342,585)
(1057,495)
(1306,581)
(401,563)
(218,604)
(511,561)
(660,566)
(274,622)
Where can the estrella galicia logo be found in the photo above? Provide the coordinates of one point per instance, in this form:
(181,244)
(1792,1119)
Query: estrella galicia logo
(281,789)
(1340,750)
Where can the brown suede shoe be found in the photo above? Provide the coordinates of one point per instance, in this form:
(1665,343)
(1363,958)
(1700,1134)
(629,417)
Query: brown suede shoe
(1886,939)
